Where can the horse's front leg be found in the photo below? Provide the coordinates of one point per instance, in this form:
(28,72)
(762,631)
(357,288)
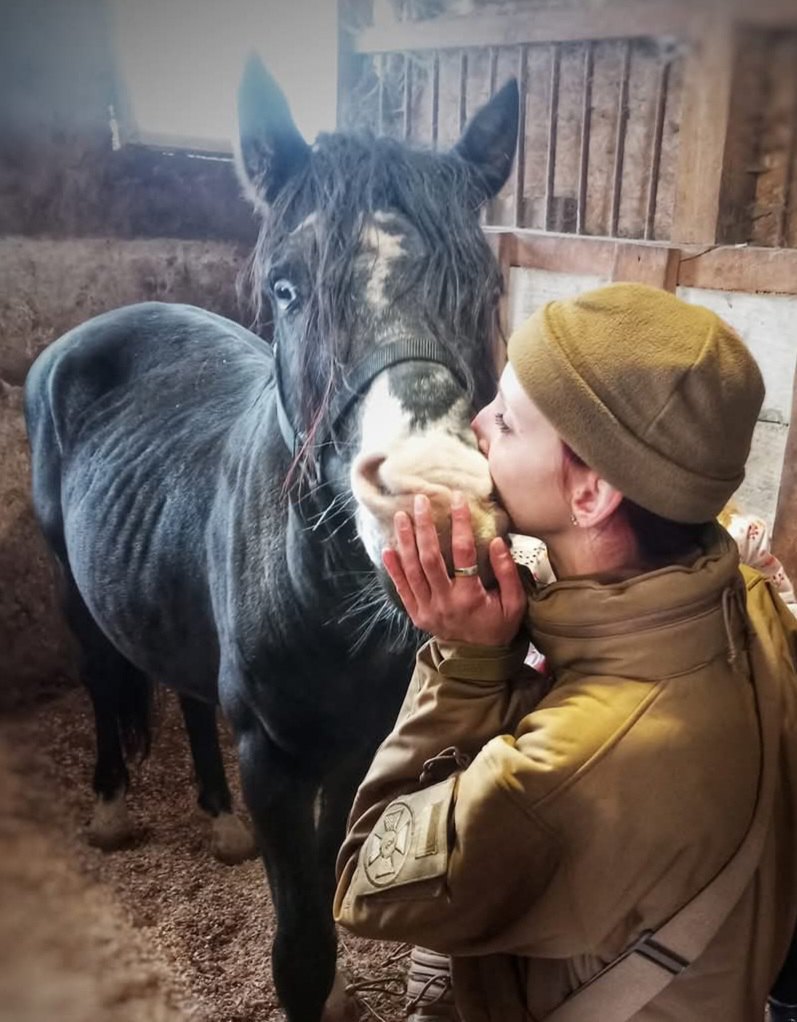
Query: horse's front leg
(337,795)
(230,841)
(281,799)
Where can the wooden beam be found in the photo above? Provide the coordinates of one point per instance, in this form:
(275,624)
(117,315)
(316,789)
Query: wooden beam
(502,246)
(619,19)
(616,19)
(656,265)
(647,264)
(350,14)
(559,253)
(764,13)
(616,260)
(784,532)
(704,130)
(741,268)
(722,268)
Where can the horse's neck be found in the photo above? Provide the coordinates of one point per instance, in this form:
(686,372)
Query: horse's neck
(310,522)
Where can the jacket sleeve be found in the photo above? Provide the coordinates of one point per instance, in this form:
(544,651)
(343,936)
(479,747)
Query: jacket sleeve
(448,862)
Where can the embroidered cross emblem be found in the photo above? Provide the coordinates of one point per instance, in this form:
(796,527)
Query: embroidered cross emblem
(388,846)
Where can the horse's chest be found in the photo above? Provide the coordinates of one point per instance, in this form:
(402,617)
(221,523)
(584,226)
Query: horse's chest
(317,695)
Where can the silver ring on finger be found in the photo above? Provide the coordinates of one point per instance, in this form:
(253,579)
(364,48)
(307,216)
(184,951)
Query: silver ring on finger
(468,572)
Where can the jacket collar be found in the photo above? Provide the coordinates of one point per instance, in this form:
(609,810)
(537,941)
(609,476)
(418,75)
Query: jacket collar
(662,624)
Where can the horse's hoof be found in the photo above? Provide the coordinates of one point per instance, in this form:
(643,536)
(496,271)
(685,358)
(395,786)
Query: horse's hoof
(231,841)
(110,827)
(341,1006)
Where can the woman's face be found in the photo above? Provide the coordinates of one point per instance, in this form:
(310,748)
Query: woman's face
(526,459)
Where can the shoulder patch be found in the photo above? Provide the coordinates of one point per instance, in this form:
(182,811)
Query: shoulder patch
(409,842)
(388,846)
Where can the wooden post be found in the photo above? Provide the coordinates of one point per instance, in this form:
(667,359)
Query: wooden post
(656,265)
(352,15)
(784,533)
(503,246)
(702,152)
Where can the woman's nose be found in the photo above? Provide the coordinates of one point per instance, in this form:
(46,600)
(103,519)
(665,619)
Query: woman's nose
(477,425)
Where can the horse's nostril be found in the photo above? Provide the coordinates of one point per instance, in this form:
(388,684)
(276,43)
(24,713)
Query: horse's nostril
(367,468)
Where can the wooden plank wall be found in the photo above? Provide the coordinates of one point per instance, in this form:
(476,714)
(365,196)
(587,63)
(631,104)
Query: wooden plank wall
(685,178)
(666,119)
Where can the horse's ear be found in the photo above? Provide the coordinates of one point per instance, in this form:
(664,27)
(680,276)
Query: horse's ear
(490,138)
(270,149)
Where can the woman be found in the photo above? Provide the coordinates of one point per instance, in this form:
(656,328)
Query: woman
(542,830)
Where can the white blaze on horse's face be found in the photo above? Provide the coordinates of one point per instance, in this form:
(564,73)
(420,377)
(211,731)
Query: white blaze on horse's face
(382,247)
(402,454)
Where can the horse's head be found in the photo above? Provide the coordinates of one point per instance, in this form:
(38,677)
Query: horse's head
(384,295)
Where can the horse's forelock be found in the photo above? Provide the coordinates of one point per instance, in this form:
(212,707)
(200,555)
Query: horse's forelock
(347,180)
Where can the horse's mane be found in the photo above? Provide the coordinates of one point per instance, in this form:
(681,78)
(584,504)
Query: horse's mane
(347,178)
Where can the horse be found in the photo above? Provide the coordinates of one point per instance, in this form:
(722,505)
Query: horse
(217,503)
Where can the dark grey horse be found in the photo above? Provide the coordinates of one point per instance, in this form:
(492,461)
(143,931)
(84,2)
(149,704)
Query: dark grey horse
(218,506)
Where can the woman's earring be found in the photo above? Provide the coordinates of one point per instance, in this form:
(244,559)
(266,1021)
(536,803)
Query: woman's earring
(573,519)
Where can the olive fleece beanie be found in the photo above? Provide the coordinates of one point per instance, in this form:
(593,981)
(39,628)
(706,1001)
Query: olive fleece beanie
(658,396)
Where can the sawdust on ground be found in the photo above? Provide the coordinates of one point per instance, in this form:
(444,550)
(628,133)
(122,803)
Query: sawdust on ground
(158,932)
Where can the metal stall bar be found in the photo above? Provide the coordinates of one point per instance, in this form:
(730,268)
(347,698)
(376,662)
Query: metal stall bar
(586,124)
(662,89)
(553,112)
(492,205)
(381,72)
(493,69)
(520,162)
(435,96)
(619,142)
(407,110)
(463,90)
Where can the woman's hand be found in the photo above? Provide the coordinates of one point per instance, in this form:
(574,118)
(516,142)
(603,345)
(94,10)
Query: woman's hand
(455,609)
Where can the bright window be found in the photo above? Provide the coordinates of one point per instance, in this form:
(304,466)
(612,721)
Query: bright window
(180,62)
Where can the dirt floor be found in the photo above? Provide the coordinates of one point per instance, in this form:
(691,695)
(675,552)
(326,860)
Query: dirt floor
(158,932)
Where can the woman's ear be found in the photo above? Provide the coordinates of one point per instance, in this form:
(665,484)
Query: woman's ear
(593,500)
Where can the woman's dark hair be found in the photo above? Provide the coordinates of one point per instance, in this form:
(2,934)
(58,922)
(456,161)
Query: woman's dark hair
(660,540)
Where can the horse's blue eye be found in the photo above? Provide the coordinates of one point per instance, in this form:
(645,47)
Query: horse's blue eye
(285,293)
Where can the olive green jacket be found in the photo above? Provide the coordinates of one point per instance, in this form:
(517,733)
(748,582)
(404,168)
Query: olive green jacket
(581,812)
